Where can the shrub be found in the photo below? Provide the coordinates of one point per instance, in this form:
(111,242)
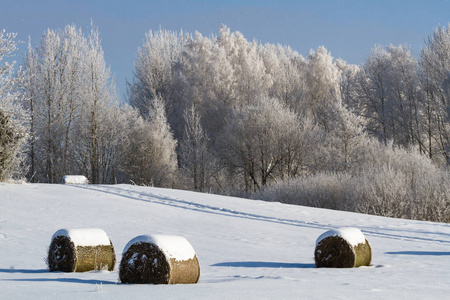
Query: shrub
(11,138)
(396,183)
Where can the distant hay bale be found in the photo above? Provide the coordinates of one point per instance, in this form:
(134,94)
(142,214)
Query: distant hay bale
(342,248)
(81,250)
(159,259)
(74,179)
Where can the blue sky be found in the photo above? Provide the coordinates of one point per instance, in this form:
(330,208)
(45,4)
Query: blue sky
(349,29)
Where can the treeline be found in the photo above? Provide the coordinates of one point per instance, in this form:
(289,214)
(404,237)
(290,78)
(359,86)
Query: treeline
(226,115)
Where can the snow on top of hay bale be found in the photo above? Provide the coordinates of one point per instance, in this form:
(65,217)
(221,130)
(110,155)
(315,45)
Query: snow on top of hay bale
(352,235)
(85,236)
(176,247)
(74,179)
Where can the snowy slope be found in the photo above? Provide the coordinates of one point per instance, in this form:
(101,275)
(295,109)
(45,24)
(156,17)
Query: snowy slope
(247,249)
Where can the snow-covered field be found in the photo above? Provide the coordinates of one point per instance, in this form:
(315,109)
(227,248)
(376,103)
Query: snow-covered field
(247,249)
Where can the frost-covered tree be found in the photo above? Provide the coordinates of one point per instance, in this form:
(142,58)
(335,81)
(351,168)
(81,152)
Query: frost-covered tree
(259,138)
(98,105)
(197,162)
(373,86)
(434,73)
(346,146)
(13,133)
(206,80)
(153,68)
(348,83)
(251,81)
(389,96)
(71,101)
(287,69)
(30,91)
(322,77)
(150,157)
(407,96)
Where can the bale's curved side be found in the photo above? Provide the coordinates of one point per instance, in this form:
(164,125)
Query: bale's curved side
(62,255)
(93,258)
(186,271)
(145,262)
(336,252)
(363,255)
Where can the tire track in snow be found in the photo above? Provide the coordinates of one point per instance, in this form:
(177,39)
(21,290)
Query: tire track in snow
(184,204)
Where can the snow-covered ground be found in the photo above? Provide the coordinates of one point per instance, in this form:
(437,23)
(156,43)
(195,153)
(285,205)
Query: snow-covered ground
(247,249)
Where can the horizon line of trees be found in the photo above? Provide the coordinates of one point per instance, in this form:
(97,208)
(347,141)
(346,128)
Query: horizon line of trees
(227,115)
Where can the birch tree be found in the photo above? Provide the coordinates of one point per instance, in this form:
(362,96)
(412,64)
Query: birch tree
(406,97)
(197,162)
(260,138)
(99,102)
(434,67)
(373,86)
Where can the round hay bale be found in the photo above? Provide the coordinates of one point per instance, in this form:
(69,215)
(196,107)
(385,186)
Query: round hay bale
(342,248)
(159,259)
(81,250)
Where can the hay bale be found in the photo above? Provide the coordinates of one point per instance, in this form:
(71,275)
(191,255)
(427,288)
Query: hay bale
(74,179)
(81,250)
(159,259)
(342,248)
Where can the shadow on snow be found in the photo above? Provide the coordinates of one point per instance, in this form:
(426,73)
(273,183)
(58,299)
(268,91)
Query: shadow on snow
(263,264)
(68,280)
(431,253)
(24,271)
